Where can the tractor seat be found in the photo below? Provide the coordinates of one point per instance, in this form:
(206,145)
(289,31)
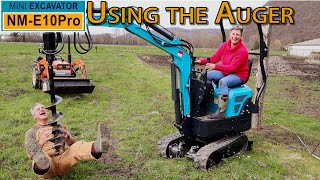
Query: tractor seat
(249,69)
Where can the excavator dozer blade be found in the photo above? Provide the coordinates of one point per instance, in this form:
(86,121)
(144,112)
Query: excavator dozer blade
(73,86)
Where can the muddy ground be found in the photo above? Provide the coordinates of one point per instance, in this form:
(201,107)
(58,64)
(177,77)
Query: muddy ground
(294,67)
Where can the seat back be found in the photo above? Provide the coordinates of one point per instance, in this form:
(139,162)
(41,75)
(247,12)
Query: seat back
(249,71)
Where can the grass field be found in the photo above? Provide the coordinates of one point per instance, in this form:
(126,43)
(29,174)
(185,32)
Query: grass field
(134,100)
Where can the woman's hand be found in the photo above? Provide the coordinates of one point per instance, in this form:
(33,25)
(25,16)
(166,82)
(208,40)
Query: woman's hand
(198,61)
(210,66)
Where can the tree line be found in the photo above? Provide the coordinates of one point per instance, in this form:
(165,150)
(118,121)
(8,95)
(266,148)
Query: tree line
(197,37)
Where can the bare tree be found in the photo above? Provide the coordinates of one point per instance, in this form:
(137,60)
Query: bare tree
(257,117)
(14,36)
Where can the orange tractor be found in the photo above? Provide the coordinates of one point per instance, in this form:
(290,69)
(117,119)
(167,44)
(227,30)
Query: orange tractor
(66,80)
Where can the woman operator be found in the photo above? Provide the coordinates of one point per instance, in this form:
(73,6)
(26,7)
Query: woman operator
(233,69)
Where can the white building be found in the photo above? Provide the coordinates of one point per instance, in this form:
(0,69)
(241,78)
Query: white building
(2,37)
(304,48)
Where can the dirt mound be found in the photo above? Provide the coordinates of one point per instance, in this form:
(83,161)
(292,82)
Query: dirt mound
(156,59)
(292,67)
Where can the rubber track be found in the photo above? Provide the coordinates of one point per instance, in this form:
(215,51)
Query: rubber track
(164,142)
(202,156)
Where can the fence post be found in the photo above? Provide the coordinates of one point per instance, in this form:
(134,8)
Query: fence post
(257,117)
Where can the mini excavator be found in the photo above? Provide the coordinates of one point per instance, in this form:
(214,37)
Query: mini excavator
(205,141)
(64,72)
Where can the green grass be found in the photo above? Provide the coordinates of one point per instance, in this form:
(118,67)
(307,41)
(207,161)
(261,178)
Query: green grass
(134,99)
(278,53)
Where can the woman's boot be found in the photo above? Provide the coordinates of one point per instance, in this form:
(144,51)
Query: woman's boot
(222,105)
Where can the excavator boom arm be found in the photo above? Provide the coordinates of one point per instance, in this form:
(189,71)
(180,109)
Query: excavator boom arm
(171,44)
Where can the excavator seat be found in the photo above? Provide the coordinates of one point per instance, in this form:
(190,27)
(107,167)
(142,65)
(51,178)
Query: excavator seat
(249,72)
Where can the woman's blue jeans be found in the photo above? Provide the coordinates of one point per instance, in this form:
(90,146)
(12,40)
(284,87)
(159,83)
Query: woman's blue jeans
(224,81)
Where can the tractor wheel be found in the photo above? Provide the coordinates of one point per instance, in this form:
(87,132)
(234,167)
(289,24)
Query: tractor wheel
(35,78)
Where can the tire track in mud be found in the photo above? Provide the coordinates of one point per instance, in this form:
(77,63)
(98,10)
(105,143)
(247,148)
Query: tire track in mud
(293,67)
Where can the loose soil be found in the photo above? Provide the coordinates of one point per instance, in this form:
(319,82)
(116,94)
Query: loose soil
(294,67)
(156,59)
(112,158)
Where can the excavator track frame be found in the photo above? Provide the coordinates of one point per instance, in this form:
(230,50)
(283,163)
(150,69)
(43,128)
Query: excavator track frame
(204,155)
(213,153)
(165,142)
